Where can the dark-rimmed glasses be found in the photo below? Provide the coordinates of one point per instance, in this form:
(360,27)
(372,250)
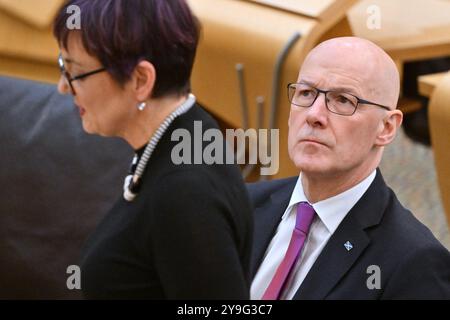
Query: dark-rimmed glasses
(338,102)
(69,78)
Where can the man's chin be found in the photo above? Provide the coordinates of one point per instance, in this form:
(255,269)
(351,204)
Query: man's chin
(312,167)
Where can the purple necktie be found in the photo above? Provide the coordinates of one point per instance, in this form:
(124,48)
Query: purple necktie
(305,216)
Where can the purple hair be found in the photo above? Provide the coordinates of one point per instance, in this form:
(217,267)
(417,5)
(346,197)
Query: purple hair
(121,33)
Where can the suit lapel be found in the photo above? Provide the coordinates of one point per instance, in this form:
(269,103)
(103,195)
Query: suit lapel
(267,218)
(335,260)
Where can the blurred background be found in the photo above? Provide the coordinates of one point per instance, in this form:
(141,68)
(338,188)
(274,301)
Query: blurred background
(249,51)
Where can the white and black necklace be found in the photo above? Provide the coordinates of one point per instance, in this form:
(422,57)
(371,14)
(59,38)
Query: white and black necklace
(132,182)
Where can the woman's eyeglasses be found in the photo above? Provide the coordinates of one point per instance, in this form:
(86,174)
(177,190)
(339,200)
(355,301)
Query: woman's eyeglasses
(69,78)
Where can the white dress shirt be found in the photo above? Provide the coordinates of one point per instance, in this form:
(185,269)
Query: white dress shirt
(330,213)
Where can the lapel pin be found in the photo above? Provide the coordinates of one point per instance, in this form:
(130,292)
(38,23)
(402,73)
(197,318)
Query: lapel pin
(348,246)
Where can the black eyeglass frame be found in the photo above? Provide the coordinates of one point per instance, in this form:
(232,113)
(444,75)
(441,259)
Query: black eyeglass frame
(70,79)
(319,91)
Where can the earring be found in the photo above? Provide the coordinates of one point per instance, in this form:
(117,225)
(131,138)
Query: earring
(141,106)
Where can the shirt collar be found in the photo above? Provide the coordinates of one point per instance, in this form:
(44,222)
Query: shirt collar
(333,210)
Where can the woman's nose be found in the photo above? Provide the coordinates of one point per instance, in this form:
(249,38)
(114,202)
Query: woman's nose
(63,86)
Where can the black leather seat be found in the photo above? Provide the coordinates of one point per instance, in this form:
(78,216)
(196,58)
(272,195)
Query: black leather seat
(56,184)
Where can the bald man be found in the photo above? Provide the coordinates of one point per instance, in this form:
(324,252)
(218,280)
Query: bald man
(337,231)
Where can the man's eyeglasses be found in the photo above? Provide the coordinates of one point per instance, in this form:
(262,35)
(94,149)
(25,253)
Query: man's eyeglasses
(69,78)
(342,103)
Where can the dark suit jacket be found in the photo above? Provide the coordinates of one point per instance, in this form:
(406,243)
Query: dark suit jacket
(413,264)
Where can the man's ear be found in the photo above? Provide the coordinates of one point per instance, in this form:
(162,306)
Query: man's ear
(144,77)
(388,127)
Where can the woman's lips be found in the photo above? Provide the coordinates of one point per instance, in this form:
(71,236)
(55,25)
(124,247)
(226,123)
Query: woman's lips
(81,110)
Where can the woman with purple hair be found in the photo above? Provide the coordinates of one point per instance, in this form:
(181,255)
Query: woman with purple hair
(179,231)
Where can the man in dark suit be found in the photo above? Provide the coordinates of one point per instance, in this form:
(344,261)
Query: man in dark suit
(337,231)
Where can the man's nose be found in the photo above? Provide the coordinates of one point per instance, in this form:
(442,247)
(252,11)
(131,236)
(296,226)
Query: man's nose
(317,114)
(63,86)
